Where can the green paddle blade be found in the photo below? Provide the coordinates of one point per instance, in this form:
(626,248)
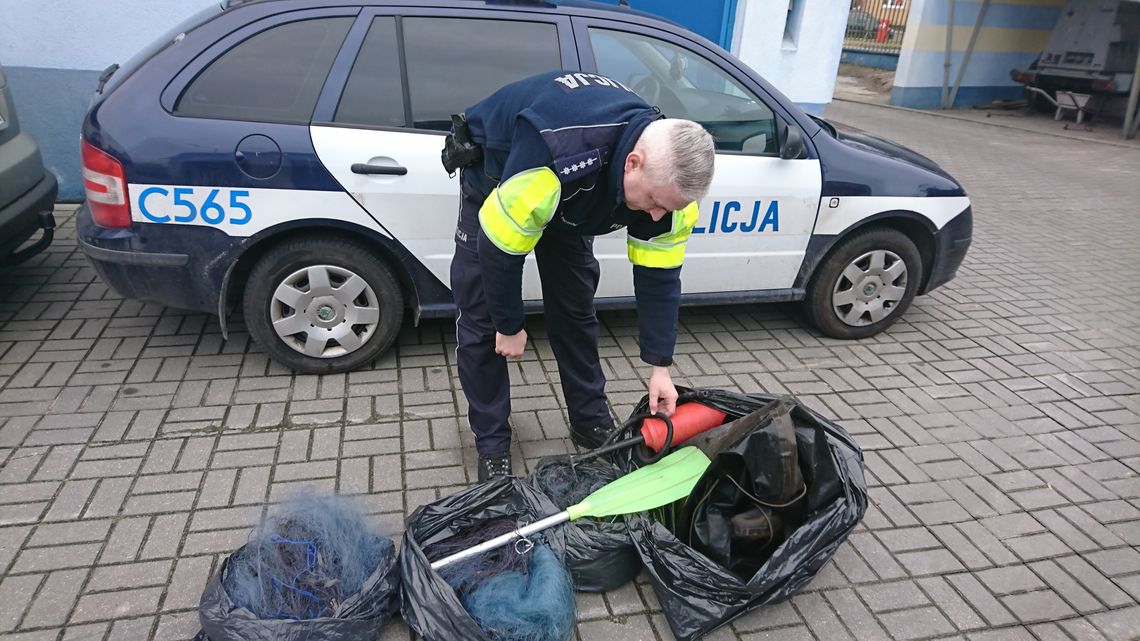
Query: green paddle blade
(661,483)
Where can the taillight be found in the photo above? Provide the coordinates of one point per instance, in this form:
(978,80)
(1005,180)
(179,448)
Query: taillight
(106,188)
(1022,77)
(1102,85)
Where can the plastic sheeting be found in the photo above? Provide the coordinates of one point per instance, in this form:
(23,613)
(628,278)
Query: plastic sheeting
(428,604)
(699,594)
(360,616)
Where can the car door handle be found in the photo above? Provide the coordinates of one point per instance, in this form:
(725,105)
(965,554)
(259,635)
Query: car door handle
(386,170)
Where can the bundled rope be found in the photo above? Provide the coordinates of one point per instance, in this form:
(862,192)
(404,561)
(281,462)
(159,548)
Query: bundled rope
(305,559)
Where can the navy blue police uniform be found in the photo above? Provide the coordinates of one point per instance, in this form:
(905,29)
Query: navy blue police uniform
(580,127)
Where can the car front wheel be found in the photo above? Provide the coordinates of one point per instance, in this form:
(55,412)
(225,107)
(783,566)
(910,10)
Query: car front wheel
(865,284)
(323,305)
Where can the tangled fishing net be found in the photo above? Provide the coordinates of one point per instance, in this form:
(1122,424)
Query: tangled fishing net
(466,575)
(567,484)
(599,553)
(304,559)
(514,593)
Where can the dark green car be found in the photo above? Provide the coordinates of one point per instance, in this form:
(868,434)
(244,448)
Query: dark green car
(27,190)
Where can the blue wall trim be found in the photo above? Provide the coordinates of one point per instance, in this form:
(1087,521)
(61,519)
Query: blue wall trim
(986,68)
(1005,16)
(888,61)
(931,97)
(51,104)
(728,21)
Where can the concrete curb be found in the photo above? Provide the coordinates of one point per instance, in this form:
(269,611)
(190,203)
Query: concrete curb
(936,114)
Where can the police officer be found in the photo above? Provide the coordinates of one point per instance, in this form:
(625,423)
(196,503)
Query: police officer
(567,156)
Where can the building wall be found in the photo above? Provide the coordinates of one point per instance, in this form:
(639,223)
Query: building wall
(1013,33)
(53,53)
(794,44)
(710,18)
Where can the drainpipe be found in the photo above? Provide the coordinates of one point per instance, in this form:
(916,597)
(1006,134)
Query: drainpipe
(1130,119)
(969,50)
(949,46)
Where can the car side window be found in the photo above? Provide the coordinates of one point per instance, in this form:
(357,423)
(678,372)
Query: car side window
(374,93)
(275,75)
(455,62)
(686,85)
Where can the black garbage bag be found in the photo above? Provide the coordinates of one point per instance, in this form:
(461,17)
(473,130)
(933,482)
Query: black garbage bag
(599,553)
(704,571)
(360,616)
(428,604)
(750,497)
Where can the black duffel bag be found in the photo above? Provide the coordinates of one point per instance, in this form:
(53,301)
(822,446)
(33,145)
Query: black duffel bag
(754,531)
(599,553)
(428,604)
(360,616)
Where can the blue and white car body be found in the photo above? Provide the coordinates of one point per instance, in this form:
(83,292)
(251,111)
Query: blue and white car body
(184,206)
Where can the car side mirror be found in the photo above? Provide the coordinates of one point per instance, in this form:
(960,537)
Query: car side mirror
(793,144)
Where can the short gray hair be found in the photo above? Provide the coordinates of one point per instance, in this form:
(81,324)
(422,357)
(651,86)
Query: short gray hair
(681,153)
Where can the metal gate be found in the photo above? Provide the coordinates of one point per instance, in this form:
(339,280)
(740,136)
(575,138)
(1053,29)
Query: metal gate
(876,26)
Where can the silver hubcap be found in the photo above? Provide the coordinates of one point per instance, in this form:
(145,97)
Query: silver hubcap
(324,311)
(869,289)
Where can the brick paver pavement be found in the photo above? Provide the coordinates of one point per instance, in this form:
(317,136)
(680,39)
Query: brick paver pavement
(1000,422)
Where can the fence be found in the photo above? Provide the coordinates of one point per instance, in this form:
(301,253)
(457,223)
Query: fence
(876,26)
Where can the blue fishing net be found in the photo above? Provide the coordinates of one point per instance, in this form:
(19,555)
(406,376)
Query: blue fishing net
(535,606)
(305,559)
(514,593)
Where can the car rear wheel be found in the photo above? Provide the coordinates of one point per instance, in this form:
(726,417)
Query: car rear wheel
(323,305)
(865,284)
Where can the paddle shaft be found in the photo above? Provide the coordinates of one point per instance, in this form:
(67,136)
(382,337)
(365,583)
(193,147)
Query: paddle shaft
(504,539)
(645,488)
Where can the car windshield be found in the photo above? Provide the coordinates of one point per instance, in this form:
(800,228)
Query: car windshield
(684,84)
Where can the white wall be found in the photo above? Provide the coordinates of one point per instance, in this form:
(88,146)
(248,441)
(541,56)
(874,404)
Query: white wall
(53,52)
(84,34)
(803,66)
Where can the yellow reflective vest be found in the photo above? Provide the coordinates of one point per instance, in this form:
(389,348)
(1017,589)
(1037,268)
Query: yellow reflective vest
(518,210)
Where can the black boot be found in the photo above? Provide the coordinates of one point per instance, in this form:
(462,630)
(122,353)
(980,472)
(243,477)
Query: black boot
(494,466)
(589,438)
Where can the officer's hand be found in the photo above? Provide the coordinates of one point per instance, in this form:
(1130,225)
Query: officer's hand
(513,346)
(662,394)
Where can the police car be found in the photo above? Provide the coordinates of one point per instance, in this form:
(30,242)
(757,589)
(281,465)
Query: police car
(283,157)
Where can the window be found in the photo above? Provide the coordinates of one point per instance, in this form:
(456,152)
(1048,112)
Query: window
(793,23)
(454,63)
(157,45)
(685,85)
(275,75)
(374,93)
